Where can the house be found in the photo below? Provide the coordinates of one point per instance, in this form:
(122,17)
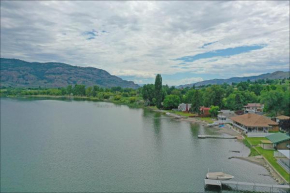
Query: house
(204,111)
(280,140)
(284,122)
(254,123)
(253,108)
(184,107)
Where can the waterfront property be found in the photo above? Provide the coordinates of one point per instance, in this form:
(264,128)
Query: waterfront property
(254,123)
(253,108)
(283,159)
(284,122)
(279,141)
(204,111)
(184,107)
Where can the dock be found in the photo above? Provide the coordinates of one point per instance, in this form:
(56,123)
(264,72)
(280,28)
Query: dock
(238,185)
(216,137)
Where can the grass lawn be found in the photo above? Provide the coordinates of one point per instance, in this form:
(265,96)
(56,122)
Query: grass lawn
(255,140)
(206,119)
(269,155)
(252,143)
(185,114)
(253,151)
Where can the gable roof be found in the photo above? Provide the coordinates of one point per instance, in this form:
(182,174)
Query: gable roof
(254,120)
(253,105)
(278,137)
(283,117)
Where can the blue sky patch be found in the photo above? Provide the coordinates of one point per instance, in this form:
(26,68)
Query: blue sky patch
(221,53)
(207,44)
(90,34)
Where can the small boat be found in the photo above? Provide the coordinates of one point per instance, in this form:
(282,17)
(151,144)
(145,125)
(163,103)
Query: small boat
(218,176)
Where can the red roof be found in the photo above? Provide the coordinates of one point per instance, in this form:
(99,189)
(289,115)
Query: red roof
(204,108)
(253,105)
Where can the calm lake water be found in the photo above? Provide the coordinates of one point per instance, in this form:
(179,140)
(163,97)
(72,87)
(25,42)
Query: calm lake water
(82,146)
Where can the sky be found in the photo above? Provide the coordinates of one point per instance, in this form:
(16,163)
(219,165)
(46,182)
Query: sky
(184,41)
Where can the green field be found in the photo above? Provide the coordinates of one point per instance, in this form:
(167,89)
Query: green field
(253,142)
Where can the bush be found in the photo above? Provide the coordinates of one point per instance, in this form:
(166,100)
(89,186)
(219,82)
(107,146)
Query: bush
(132,99)
(117,97)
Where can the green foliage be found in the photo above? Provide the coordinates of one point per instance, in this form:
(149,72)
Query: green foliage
(196,101)
(171,101)
(132,99)
(117,97)
(275,101)
(214,110)
(148,94)
(158,91)
(214,95)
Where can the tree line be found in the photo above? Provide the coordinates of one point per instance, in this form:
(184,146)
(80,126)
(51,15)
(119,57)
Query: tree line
(274,94)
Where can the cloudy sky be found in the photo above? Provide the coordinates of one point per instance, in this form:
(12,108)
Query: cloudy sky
(185,41)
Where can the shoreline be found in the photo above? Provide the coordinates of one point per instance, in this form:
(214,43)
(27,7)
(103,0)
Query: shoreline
(227,129)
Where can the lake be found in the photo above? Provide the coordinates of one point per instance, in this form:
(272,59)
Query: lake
(84,146)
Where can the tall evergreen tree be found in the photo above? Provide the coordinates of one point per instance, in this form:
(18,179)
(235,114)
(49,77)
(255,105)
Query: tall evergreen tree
(158,90)
(196,102)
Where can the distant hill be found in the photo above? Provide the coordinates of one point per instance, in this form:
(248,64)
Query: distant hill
(18,73)
(274,75)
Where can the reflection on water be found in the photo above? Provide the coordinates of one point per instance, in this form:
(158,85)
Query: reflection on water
(157,123)
(82,146)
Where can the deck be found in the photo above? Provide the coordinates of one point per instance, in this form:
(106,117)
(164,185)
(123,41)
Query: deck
(216,137)
(238,185)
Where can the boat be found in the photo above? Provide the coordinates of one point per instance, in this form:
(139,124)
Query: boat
(218,176)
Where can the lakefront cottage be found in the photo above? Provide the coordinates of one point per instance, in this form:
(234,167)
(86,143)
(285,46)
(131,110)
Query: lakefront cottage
(253,108)
(184,107)
(251,122)
(284,123)
(204,111)
(280,140)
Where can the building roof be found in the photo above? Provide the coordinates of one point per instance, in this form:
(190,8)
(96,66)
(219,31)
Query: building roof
(253,105)
(204,108)
(254,120)
(278,137)
(283,117)
(285,152)
(266,142)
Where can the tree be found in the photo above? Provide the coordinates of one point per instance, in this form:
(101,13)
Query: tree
(148,93)
(213,95)
(238,101)
(171,101)
(274,101)
(158,90)
(214,110)
(196,101)
(69,89)
(243,86)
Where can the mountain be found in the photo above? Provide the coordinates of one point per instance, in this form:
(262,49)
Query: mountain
(274,75)
(18,73)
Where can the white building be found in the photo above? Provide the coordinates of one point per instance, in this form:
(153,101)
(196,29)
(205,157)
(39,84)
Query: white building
(184,107)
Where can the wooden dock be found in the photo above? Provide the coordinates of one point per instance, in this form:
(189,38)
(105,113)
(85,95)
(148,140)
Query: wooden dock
(216,137)
(237,185)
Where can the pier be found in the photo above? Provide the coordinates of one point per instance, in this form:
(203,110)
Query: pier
(239,185)
(216,137)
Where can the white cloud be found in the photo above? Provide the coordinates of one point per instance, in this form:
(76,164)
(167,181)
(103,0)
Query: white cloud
(141,39)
